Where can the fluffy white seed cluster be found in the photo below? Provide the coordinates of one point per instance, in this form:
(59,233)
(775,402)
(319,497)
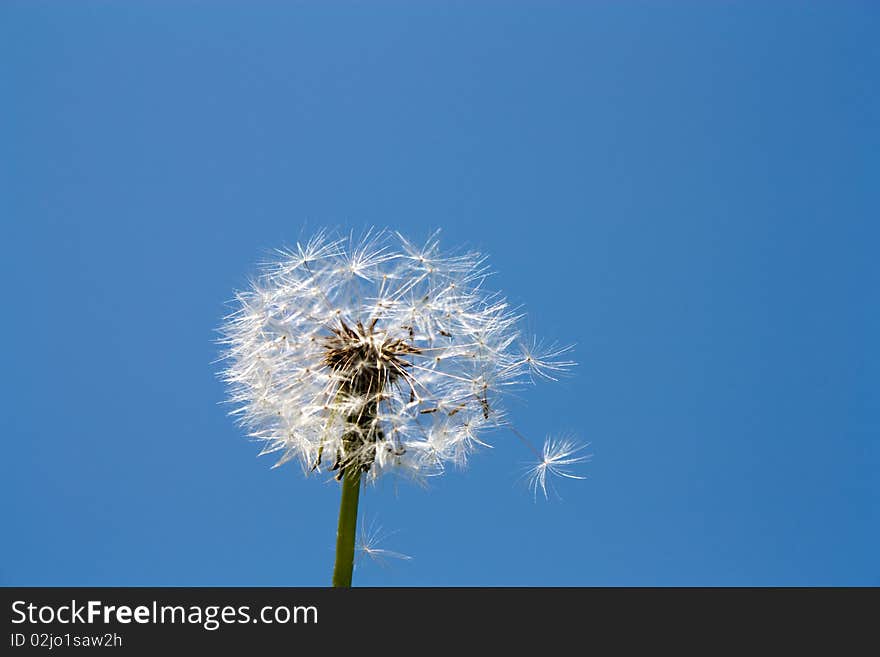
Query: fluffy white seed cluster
(376,354)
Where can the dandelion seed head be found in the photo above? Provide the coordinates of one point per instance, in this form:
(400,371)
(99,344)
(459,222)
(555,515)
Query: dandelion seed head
(377,353)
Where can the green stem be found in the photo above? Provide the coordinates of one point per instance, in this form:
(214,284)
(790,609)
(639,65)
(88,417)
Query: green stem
(345,534)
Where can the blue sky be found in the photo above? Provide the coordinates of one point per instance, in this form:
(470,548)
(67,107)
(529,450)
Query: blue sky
(688,191)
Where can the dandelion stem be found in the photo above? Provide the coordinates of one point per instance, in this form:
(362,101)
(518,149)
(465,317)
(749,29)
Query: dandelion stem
(345,534)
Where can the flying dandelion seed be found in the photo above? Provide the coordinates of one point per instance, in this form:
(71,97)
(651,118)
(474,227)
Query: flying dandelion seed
(558,456)
(371,356)
(370,538)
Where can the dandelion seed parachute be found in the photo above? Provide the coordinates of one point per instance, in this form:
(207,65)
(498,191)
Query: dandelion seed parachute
(376,354)
(557,458)
(369,541)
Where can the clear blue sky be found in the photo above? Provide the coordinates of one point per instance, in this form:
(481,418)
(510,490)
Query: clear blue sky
(688,192)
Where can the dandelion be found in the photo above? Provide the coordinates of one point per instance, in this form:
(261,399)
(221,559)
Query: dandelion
(373,356)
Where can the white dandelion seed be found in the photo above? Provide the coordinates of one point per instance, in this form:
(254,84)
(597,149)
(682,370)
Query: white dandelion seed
(558,456)
(545,360)
(370,538)
(377,354)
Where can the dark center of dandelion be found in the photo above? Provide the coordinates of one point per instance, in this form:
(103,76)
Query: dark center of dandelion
(366,363)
